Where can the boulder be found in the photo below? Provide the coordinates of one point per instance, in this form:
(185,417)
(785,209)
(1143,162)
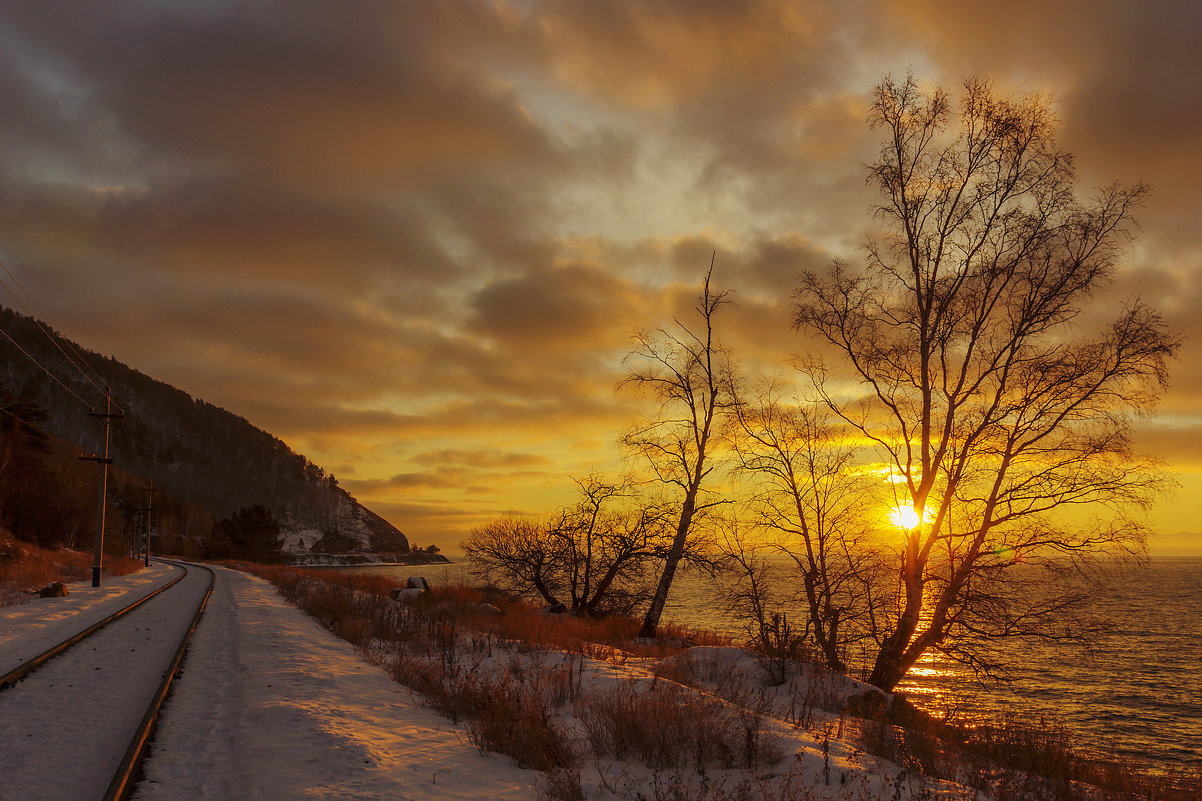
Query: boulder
(406,595)
(418,583)
(871,704)
(556,609)
(486,610)
(55,590)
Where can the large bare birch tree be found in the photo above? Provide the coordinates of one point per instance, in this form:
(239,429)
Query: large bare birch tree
(994,398)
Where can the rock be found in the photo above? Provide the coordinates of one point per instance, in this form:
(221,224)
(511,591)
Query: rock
(418,583)
(871,703)
(55,590)
(406,595)
(683,643)
(487,610)
(556,609)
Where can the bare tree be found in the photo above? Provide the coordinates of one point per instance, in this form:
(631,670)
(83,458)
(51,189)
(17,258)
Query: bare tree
(755,598)
(992,405)
(809,498)
(593,557)
(689,374)
(515,553)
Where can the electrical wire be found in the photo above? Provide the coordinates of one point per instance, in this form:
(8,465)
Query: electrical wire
(58,343)
(37,430)
(86,368)
(45,370)
(133,447)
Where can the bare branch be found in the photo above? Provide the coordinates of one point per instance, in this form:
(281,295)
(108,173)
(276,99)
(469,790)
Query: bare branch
(977,392)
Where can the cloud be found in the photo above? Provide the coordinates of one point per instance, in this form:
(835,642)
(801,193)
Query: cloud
(1124,75)
(558,309)
(671,54)
(413,239)
(225,230)
(287,91)
(483,458)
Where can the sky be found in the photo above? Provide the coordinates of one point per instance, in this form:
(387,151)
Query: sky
(413,239)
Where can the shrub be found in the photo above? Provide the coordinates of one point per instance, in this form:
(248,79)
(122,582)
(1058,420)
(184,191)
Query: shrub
(515,719)
(668,726)
(25,567)
(1013,758)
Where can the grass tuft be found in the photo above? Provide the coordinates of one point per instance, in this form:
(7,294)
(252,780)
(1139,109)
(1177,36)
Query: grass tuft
(511,674)
(665,725)
(26,568)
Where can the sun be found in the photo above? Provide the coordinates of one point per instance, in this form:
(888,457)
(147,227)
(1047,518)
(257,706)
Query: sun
(904,517)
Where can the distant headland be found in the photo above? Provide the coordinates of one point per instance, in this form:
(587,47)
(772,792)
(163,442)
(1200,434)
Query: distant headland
(356,559)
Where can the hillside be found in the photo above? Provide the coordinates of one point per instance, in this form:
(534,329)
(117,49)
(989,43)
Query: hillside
(196,453)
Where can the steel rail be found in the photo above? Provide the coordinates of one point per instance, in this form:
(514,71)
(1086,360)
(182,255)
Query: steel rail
(129,771)
(16,674)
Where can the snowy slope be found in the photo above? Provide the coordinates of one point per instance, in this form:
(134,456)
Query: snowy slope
(28,629)
(65,727)
(272,706)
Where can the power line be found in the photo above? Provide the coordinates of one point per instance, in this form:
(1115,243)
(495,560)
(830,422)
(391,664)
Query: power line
(45,370)
(23,421)
(133,447)
(83,371)
(44,316)
(98,383)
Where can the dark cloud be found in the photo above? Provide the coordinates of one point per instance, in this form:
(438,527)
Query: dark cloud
(557,309)
(292,91)
(467,480)
(225,231)
(414,238)
(482,458)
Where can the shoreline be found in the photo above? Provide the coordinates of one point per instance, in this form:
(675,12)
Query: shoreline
(424,669)
(365,560)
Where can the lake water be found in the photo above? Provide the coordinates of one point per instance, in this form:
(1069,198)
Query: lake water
(1136,693)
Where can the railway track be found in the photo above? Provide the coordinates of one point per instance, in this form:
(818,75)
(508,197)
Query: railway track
(77,719)
(16,674)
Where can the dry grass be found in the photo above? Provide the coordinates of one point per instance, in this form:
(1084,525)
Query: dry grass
(437,645)
(664,725)
(794,784)
(336,596)
(516,719)
(26,568)
(504,713)
(348,604)
(1015,758)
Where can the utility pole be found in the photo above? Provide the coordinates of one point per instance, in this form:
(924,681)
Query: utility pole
(149,505)
(108,416)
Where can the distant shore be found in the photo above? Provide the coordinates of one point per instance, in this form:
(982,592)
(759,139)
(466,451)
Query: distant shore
(360,559)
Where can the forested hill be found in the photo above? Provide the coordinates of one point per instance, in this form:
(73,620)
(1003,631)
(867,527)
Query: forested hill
(192,450)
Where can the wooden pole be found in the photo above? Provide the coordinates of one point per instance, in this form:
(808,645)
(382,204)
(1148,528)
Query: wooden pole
(108,416)
(149,507)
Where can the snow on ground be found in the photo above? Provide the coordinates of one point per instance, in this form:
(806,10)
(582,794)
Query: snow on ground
(817,759)
(65,727)
(272,706)
(28,629)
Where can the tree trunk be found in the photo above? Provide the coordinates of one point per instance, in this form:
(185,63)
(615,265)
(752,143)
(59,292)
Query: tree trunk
(651,620)
(896,656)
(888,670)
